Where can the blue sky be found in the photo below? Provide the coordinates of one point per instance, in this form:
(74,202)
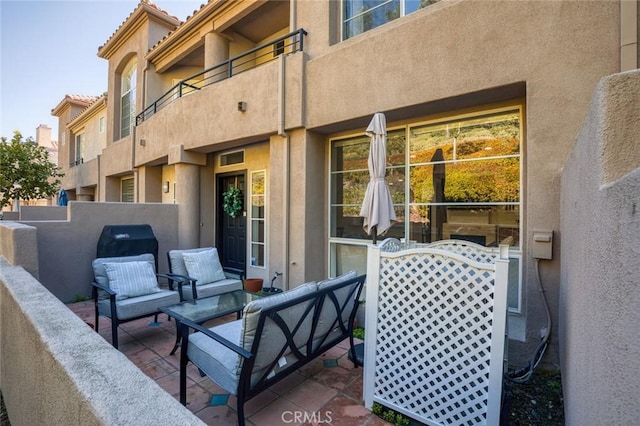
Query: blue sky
(49,49)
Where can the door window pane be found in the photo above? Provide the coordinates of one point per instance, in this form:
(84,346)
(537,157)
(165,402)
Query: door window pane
(258,232)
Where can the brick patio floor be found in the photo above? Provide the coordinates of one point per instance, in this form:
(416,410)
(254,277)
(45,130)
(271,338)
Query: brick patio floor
(326,391)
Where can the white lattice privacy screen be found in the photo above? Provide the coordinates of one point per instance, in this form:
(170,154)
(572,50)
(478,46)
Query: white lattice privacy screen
(435,335)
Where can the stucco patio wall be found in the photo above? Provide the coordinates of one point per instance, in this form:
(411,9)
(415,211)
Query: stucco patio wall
(60,256)
(600,270)
(55,370)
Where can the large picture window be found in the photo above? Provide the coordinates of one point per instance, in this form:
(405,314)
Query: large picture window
(362,15)
(454,178)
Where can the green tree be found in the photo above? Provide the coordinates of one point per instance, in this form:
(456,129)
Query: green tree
(25,170)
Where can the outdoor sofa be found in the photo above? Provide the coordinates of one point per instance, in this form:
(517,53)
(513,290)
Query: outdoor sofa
(276,336)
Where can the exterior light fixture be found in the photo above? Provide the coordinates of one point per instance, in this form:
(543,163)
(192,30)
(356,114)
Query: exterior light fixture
(143,142)
(165,186)
(242,106)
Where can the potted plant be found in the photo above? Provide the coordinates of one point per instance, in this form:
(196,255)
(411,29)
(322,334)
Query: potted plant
(254,285)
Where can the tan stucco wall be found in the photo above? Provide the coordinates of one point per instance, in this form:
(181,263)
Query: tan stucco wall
(599,293)
(55,370)
(439,60)
(417,66)
(62,250)
(19,245)
(209,119)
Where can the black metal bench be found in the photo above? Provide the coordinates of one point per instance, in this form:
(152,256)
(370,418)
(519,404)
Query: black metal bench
(275,337)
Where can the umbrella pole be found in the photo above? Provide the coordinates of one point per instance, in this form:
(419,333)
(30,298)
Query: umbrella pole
(374,229)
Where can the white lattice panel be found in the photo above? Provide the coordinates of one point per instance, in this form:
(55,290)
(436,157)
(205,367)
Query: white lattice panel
(435,338)
(467,249)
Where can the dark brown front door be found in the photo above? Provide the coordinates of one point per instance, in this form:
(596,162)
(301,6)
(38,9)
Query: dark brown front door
(232,232)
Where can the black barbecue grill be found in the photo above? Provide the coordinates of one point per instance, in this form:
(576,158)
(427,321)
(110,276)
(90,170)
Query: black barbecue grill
(127,240)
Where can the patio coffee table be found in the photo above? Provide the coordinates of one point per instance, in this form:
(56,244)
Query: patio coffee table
(208,308)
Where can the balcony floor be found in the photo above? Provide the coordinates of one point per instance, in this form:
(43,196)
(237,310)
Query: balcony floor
(327,390)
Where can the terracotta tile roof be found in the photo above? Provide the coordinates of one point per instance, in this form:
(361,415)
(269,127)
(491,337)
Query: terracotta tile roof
(181,24)
(95,100)
(148,3)
(83,99)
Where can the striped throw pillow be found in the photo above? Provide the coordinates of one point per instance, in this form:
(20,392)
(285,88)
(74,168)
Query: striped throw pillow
(131,279)
(204,266)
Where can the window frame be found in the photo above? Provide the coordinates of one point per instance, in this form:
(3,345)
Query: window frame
(125,181)
(402,11)
(79,149)
(515,253)
(256,241)
(128,86)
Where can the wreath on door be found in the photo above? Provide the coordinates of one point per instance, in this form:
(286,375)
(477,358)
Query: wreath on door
(232,202)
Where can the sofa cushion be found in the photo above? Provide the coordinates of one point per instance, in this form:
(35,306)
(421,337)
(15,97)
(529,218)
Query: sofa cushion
(215,360)
(141,305)
(131,279)
(204,266)
(212,289)
(273,338)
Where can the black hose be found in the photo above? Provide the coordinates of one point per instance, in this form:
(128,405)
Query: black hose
(524,374)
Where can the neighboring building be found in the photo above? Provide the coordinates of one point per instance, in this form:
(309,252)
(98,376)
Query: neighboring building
(82,124)
(43,139)
(483,102)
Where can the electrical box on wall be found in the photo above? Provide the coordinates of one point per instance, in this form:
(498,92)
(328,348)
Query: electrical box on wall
(541,247)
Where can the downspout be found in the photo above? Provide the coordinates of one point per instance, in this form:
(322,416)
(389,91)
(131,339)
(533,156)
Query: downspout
(628,35)
(136,175)
(287,163)
(293,15)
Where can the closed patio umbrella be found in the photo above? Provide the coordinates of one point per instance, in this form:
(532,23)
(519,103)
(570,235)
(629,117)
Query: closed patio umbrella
(377,207)
(63,199)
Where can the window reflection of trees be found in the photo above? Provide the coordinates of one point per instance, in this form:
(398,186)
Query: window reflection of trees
(478,164)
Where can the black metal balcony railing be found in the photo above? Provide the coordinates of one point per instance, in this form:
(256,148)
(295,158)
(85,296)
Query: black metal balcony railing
(77,162)
(290,43)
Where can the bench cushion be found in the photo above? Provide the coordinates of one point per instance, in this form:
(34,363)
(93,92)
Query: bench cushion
(214,359)
(273,338)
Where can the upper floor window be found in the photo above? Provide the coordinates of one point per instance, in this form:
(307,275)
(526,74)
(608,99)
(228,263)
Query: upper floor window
(79,149)
(362,15)
(128,98)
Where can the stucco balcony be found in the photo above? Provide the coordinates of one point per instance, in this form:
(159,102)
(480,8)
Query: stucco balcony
(237,100)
